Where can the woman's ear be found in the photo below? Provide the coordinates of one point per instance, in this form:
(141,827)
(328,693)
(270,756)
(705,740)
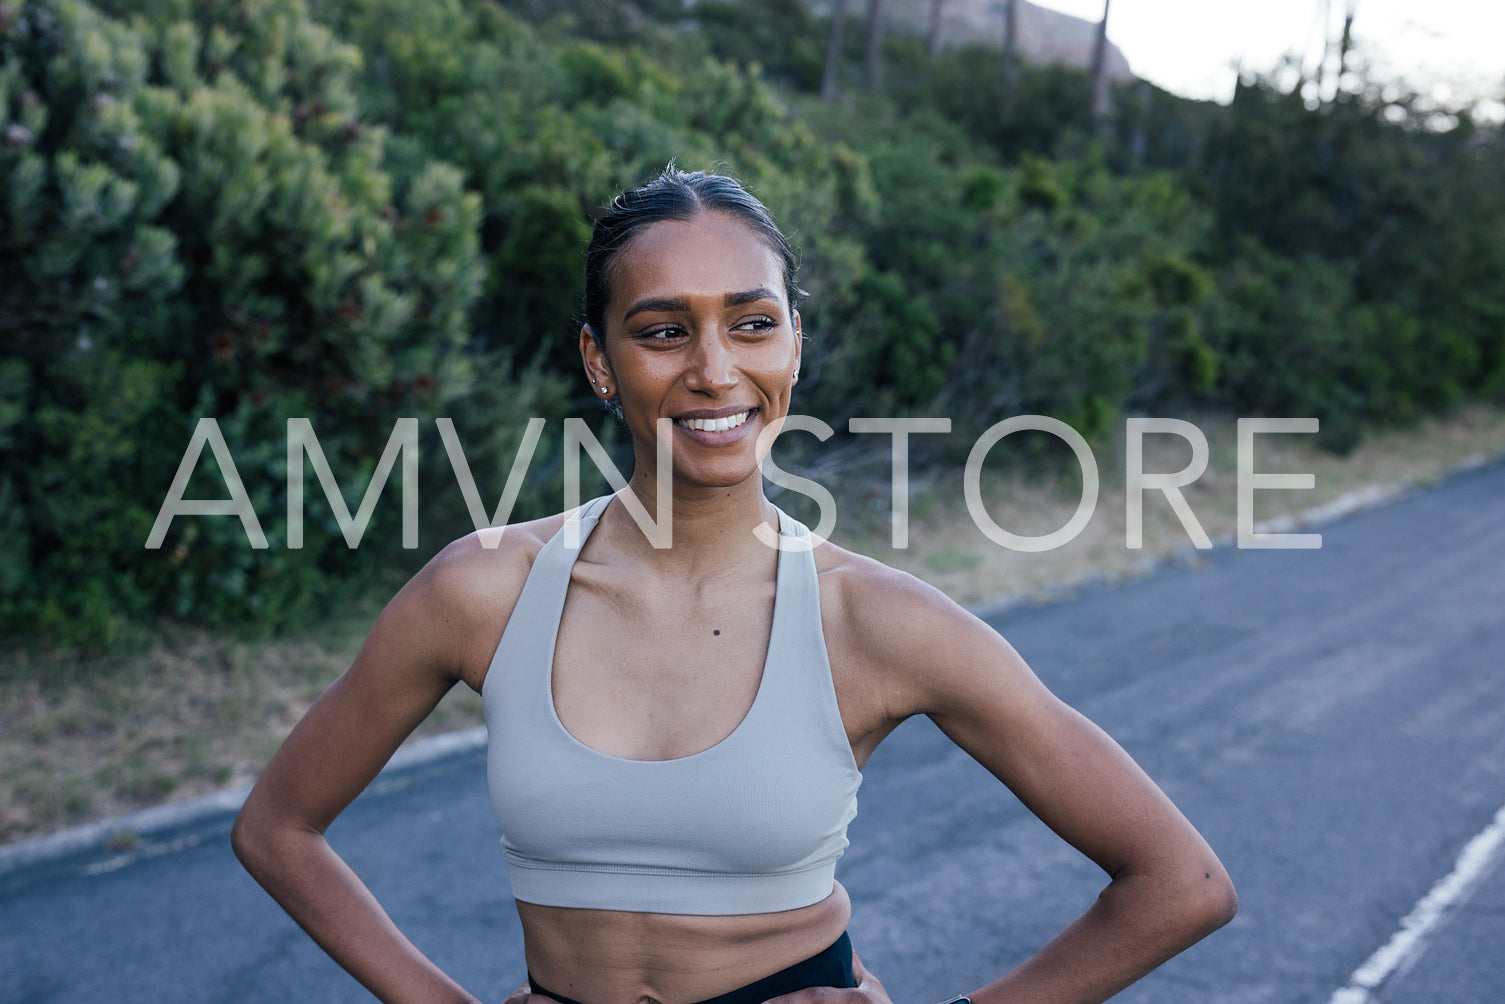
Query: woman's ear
(799,343)
(597,367)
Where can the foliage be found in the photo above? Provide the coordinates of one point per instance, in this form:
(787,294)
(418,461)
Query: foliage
(1040,110)
(200,225)
(1363,255)
(361,210)
(780,36)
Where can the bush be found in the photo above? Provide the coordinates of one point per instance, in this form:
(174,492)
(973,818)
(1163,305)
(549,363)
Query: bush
(360,210)
(200,226)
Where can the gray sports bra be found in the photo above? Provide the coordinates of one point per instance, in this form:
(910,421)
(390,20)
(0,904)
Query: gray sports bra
(753,824)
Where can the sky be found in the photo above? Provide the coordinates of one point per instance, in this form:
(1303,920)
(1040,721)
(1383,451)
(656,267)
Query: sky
(1455,48)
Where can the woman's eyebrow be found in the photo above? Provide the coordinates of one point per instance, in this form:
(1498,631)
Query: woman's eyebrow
(678,304)
(750,296)
(657,305)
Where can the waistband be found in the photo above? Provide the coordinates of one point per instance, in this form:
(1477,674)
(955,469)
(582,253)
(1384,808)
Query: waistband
(829,968)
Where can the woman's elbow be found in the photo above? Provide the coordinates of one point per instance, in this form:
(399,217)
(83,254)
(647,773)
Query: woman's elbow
(253,838)
(244,840)
(1209,904)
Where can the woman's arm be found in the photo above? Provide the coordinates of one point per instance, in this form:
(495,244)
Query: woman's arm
(1167,888)
(429,636)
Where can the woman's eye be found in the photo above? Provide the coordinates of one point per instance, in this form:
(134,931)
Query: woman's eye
(758,324)
(661,334)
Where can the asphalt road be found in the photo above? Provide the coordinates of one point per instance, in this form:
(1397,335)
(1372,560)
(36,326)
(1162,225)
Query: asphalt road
(1332,720)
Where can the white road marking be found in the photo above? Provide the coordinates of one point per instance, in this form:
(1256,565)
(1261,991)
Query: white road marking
(1408,942)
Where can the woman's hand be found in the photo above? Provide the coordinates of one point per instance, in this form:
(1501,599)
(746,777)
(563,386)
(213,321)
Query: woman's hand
(522,995)
(869,990)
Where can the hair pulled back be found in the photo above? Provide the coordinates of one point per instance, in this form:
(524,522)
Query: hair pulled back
(674,195)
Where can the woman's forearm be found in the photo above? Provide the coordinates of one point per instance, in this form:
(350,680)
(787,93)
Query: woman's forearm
(319,891)
(1136,924)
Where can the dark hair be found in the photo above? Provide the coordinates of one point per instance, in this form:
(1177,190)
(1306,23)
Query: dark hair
(674,195)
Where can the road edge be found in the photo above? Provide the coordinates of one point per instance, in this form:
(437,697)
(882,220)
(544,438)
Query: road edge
(108,844)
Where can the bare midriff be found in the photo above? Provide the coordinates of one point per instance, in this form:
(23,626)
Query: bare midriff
(614,957)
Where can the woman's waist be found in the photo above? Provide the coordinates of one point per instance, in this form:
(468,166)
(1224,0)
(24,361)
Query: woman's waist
(615,957)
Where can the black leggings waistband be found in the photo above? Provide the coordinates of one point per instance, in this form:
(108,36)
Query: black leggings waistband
(830,968)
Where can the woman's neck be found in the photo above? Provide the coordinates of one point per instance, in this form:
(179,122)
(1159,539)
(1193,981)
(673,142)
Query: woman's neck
(711,528)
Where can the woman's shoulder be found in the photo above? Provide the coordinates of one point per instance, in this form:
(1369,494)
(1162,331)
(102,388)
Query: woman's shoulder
(882,613)
(850,575)
(485,562)
(468,590)
(905,640)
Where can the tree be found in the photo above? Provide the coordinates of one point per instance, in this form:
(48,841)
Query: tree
(1010,46)
(874,44)
(1100,73)
(833,52)
(933,35)
(1327,42)
(1345,45)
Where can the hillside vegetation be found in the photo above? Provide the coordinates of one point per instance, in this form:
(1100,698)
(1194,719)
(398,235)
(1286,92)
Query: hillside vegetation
(356,211)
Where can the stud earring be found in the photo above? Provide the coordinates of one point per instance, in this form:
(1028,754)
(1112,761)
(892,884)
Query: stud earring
(605,389)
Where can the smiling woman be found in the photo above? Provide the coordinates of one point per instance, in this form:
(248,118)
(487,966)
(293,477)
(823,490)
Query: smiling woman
(677,733)
(699,330)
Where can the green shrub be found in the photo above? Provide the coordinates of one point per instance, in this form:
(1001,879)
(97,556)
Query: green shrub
(199,225)
(355,211)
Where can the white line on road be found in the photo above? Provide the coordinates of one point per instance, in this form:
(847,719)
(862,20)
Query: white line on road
(1408,941)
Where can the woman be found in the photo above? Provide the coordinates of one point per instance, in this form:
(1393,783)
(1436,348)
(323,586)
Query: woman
(676,732)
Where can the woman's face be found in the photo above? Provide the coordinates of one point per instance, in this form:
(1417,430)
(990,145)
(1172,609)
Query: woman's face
(698,331)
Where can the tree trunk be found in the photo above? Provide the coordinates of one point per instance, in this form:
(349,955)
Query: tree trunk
(874,43)
(833,52)
(1010,40)
(1100,73)
(933,38)
(1327,43)
(1140,142)
(1345,46)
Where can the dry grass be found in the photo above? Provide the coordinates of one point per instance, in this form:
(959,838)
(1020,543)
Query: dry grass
(947,549)
(83,740)
(90,739)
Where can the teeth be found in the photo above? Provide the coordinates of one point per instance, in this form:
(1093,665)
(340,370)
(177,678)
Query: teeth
(715,424)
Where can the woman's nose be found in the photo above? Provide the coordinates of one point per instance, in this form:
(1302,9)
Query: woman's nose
(714,367)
